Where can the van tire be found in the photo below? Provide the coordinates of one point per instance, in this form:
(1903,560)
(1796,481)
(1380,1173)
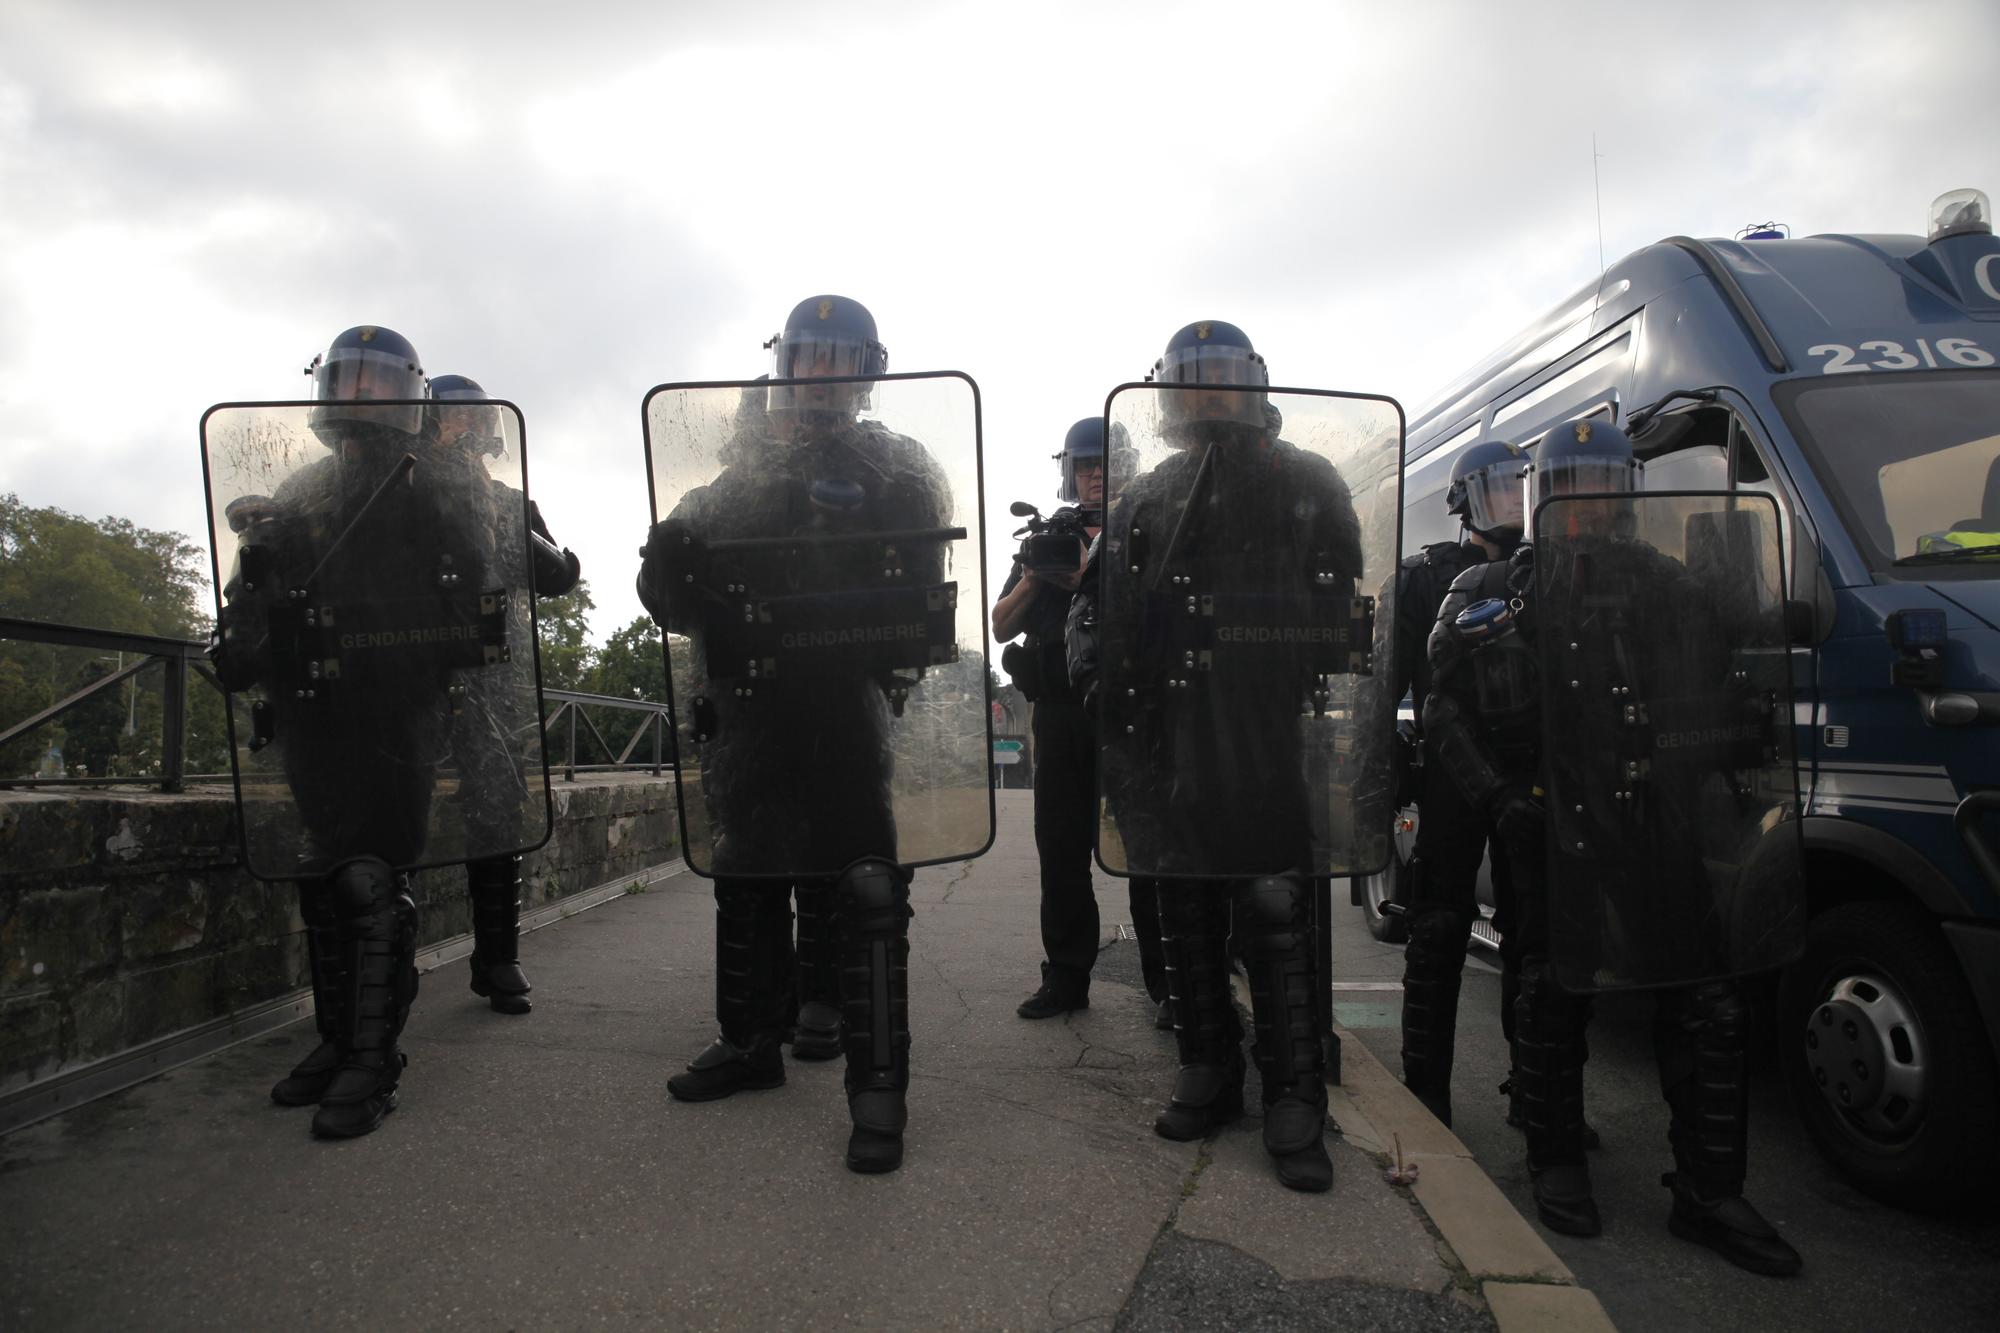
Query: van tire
(1908,1004)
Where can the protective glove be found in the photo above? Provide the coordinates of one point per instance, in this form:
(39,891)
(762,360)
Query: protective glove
(1517,812)
(673,566)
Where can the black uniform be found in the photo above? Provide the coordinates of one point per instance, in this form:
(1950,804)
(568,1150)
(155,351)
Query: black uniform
(486,744)
(1484,719)
(798,773)
(364,778)
(1203,779)
(1452,838)
(1066,814)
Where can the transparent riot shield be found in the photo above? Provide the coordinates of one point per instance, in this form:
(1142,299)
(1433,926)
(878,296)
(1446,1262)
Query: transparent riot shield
(377,633)
(1245,576)
(1674,844)
(823,588)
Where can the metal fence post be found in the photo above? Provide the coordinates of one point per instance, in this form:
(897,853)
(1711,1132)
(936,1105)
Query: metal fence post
(173,723)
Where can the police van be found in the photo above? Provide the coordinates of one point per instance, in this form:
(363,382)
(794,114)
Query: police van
(1853,379)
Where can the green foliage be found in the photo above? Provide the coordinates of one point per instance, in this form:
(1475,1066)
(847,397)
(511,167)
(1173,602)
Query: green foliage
(108,575)
(629,665)
(565,633)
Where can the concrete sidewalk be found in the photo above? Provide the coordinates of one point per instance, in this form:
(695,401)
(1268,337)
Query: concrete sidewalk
(537,1175)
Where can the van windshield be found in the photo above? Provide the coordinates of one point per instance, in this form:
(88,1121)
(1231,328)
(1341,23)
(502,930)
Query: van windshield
(1912,460)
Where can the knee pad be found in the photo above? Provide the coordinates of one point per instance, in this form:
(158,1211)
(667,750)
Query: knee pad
(874,897)
(1272,903)
(361,887)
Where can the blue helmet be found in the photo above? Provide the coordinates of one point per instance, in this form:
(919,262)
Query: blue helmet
(825,337)
(1486,489)
(368,363)
(457,388)
(479,428)
(1212,352)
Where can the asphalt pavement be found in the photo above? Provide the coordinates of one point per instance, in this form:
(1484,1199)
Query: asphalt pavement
(537,1176)
(1867,1266)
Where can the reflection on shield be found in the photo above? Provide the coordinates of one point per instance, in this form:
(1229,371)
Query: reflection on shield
(1246,628)
(824,609)
(373,589)
(1675,852)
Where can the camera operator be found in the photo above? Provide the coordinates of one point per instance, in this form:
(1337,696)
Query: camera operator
(1035,599)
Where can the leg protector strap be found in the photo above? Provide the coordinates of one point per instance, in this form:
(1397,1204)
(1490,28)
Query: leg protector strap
(1274,937)
(1194,926)
(1699,1038)
(872,907)
(752,970)
(1548,1072)
(1433,967)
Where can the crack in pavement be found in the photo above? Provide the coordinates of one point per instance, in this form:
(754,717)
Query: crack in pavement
(964,869)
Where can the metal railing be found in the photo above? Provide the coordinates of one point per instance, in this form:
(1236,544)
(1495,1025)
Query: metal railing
(175,656)
(179,657)
(570,704)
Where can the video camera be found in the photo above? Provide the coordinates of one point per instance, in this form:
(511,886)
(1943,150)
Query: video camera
(1054,545)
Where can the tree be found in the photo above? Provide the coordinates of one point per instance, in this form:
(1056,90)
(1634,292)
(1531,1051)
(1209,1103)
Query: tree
(107,575)
(566,651)
(629,665)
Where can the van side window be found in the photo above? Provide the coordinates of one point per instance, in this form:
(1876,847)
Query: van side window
(1688,451)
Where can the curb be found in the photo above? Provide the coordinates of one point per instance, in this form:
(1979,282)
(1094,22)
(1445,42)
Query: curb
(1524,1283)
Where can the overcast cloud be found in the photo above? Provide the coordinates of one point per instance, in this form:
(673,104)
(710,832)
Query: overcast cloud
(574,206)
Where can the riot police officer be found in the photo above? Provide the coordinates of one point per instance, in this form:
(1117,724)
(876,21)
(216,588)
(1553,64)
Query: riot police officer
(1626,629)
(1215,778)
(813,471)
(1066,750)
(370,611)
(1485,492)
(482,741)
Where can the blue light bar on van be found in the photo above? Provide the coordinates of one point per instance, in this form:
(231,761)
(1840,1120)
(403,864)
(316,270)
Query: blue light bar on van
(1765,231)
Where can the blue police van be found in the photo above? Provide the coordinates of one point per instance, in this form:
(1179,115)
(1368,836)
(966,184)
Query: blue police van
(1852,378)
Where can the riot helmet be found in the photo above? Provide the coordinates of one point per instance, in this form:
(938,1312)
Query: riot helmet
(1211,352)
(825,337)
(1488,486)
(1588,457)
(1083,453)
(456,420)
(368,363)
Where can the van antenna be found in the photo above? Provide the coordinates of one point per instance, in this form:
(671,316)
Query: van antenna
(1597,190)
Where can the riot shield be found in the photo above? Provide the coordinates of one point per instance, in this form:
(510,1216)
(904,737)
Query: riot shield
(823,588)
(1674,840)
(377,634)
(1246,571)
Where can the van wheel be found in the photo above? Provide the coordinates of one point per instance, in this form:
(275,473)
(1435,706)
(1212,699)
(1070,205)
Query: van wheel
(1887,1059)
(1386,886)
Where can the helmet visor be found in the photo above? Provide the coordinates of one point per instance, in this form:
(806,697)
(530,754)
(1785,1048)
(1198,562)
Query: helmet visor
(1198,366)
(811,356)
(360,375)
(1494,496)
(471,425)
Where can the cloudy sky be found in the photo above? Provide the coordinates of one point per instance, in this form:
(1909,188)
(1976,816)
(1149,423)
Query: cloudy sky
(572,203)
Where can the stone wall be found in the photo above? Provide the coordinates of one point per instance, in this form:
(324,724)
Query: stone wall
(127,916)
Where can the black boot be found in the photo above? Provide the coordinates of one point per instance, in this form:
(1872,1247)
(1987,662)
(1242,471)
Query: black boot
(495,887)
(816,1031)
(1433,968)
(1059,993)
(873,912)
(1548,1079)
(1698,1038)
(1208,1088)
(1274,934)
(306,1084)
(379,943)
(752,982)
